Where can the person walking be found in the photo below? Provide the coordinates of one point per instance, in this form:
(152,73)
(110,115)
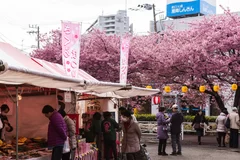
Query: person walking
(71,132)
(198,125)
(96,128)
(234,127)
(109,127)
(162,131)
(131,138)
(221,129)
(175,130)
(57,131)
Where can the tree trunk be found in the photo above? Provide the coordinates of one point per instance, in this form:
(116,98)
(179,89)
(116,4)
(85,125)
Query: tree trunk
(219,101)
(237,98)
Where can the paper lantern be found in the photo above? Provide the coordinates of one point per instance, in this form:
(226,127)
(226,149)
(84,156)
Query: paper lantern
(156,100)
(202,89)
(184,89)
(216,88)
(167,89)
(135,111)
(234,87)
(149,87)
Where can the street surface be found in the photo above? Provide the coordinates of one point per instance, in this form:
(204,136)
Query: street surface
(192,151)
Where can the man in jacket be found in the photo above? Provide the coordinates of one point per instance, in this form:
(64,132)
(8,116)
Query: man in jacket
(109,127)
(234,127)
(175,130)
(57,131)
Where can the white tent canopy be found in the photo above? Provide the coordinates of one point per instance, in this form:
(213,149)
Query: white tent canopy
(127,93)
(22,69)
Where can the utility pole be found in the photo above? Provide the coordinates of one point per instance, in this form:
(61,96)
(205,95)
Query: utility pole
(154,18)
(35,32)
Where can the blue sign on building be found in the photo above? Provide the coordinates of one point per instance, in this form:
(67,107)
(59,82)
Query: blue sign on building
(178,8)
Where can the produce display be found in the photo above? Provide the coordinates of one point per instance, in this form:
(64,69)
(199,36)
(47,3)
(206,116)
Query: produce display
(27,148)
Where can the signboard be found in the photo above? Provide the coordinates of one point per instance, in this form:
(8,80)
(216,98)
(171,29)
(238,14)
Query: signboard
(178,8)
(124,53)
(208,7)
(67,97)
(71,48)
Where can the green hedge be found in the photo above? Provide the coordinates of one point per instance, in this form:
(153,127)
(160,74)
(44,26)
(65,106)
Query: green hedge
(151,117)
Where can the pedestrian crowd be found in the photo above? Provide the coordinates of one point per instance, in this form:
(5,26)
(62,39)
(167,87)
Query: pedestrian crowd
(227,129)
(61,128)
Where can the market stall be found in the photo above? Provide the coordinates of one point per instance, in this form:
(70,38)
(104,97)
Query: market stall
(19,71)
(27,83)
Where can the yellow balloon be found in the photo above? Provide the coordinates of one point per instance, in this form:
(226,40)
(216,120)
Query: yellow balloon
(216,88)
(184,89)
(167,89)
(202,89)
(234,87)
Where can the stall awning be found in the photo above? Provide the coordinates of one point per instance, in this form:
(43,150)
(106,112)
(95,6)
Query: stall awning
(21,69)
(129,92)
(59,70)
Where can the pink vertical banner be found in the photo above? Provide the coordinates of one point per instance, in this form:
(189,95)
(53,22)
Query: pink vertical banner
(124,54)
(71,38)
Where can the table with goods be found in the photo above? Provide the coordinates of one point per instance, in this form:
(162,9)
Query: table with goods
(28,148)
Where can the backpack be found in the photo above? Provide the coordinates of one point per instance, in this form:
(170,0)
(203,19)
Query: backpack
(227,123)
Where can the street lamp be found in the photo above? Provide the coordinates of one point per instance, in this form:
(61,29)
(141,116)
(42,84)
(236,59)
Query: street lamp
(149,7)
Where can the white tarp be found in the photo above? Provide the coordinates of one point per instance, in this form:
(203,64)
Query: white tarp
(130,92)
(21,69)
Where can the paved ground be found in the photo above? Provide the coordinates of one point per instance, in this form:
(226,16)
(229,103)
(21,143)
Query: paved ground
(192,151)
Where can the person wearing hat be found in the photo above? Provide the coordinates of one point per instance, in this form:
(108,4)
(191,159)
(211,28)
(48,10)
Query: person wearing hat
(234,127)
(175,130)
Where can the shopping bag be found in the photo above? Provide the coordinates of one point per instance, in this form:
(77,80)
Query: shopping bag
(66,146)
(227,138)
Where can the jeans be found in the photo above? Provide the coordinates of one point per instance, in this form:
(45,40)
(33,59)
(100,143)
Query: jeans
(66,156)
(176,141)
(233,138)
(162,146)
(57,153)
(110,144)
(221,138)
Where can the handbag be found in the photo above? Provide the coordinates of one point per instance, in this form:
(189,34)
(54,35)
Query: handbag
(227,123)
(198,125)
(66,146)
(166,128)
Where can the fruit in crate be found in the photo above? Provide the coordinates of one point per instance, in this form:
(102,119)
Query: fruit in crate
(22,140)
(1,143)
(38,139)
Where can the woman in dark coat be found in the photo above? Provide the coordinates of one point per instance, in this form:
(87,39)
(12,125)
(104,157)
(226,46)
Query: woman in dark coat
(162,132)
(198,124)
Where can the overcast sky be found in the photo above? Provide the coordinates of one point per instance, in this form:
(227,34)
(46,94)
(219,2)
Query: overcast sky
(16,15)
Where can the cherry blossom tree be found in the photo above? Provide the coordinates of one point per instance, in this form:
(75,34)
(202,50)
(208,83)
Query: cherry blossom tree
(207,54)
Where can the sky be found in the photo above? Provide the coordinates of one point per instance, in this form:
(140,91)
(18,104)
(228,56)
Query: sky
(17,15)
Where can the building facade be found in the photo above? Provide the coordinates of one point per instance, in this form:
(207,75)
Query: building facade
(112,24)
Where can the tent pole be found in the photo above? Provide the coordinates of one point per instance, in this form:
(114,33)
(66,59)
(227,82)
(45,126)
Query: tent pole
(16,123)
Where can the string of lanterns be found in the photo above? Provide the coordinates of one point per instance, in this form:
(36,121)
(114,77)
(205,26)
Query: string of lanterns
(202,88)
